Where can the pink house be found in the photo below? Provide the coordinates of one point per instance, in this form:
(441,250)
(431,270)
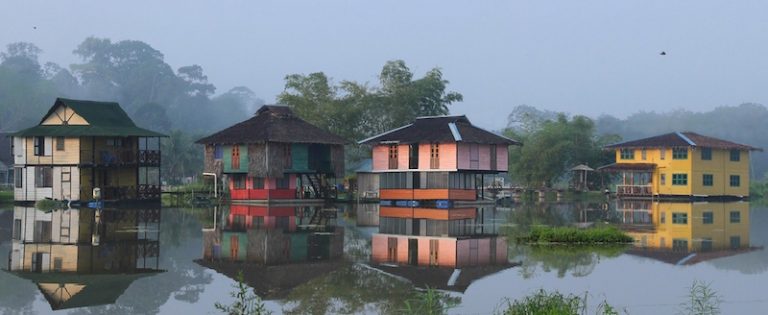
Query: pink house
(437,158)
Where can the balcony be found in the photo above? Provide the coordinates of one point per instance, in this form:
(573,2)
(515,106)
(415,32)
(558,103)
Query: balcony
(634,190)
(120,157)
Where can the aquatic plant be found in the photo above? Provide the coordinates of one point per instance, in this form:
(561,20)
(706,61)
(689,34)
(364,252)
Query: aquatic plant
(550,303)
(572,235)
(430,302)
(246,301)
(701,300)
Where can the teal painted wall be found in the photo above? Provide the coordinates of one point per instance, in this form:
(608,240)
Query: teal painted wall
(227,159)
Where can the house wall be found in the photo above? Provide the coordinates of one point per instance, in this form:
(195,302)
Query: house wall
(720,167)
(227,159)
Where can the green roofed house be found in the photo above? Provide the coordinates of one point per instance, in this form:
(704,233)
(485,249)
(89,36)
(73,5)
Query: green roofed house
(82,145)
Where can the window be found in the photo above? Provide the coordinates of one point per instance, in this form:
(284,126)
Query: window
(18,177)
(680,179)
(283,183)
(735,155)
(258,183)
(57,264)
(735,217)
(663,179)
(662,153)
(494,158)
(735,181)
(706,245)
(735,242)
(16,229)
(39,143)
(218,152)
(393,156)
(679,245)
(43,176)
(663,218)
(434,155)
(413,156)
(708,217)
(706,154)
(235,157)
(680,153)
(707,179)
(474,156)
(643,154)
(238,181)
(627,154)
(679,218)
(59,143)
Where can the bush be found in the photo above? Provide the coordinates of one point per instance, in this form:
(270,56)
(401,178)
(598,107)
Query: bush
(571,235)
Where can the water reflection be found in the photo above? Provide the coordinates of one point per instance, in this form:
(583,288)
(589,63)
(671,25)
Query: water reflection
(277,247)
(686,233)
(84,257)
(439,248)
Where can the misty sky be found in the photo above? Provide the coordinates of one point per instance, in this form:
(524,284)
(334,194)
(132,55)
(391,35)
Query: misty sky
(581,57)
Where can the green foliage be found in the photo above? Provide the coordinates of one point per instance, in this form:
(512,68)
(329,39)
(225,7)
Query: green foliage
(356,111)
(572,235)
(246,302)
(554,303)
(430,302)
(181,157)
(702,300)
(552,146)
(6,196)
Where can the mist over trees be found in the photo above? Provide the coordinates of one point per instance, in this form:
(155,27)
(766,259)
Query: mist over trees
(178,102)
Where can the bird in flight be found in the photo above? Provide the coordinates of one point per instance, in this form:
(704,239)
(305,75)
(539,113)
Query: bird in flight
(663,53)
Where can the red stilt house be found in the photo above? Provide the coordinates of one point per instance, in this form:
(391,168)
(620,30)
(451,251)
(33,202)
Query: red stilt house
(275,155)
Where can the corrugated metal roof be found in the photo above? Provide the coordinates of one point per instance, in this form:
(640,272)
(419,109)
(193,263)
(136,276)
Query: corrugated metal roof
(682,139)
(440,129)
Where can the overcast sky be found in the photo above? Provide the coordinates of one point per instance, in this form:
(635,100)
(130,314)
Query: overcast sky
(581,57)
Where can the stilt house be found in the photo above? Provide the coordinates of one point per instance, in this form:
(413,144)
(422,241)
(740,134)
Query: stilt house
(437,158)
(275,155)
(82,145)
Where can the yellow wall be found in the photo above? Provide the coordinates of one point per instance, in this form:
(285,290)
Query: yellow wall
(62,114)
(67,253)
(695,231)
(721,167)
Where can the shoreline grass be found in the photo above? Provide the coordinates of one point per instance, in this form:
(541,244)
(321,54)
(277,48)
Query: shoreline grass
(572,235)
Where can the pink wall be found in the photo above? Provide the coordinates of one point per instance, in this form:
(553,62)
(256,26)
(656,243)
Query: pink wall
(463,156)
(485,156)
(403,152)
(502,158)
(380,157)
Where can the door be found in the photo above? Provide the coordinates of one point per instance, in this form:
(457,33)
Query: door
(392,249)
(413,251)
(433,250)
(413,156)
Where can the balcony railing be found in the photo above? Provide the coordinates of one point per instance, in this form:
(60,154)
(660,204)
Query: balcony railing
(634,190)
(115,157)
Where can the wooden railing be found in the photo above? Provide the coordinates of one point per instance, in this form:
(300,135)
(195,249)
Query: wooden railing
(634,190)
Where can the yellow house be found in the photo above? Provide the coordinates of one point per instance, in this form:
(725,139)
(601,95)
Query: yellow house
(686,232)
(82,145)
(681,164)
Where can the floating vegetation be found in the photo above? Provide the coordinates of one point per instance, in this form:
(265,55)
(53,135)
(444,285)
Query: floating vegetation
(572,235)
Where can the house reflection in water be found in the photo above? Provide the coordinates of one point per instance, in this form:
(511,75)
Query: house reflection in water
(84,257)
(439,248)
(686,233)
(276,247)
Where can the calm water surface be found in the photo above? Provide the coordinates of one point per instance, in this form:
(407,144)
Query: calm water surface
(368,259)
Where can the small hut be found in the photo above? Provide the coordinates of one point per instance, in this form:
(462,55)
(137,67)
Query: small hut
(275,155)
(580,173)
